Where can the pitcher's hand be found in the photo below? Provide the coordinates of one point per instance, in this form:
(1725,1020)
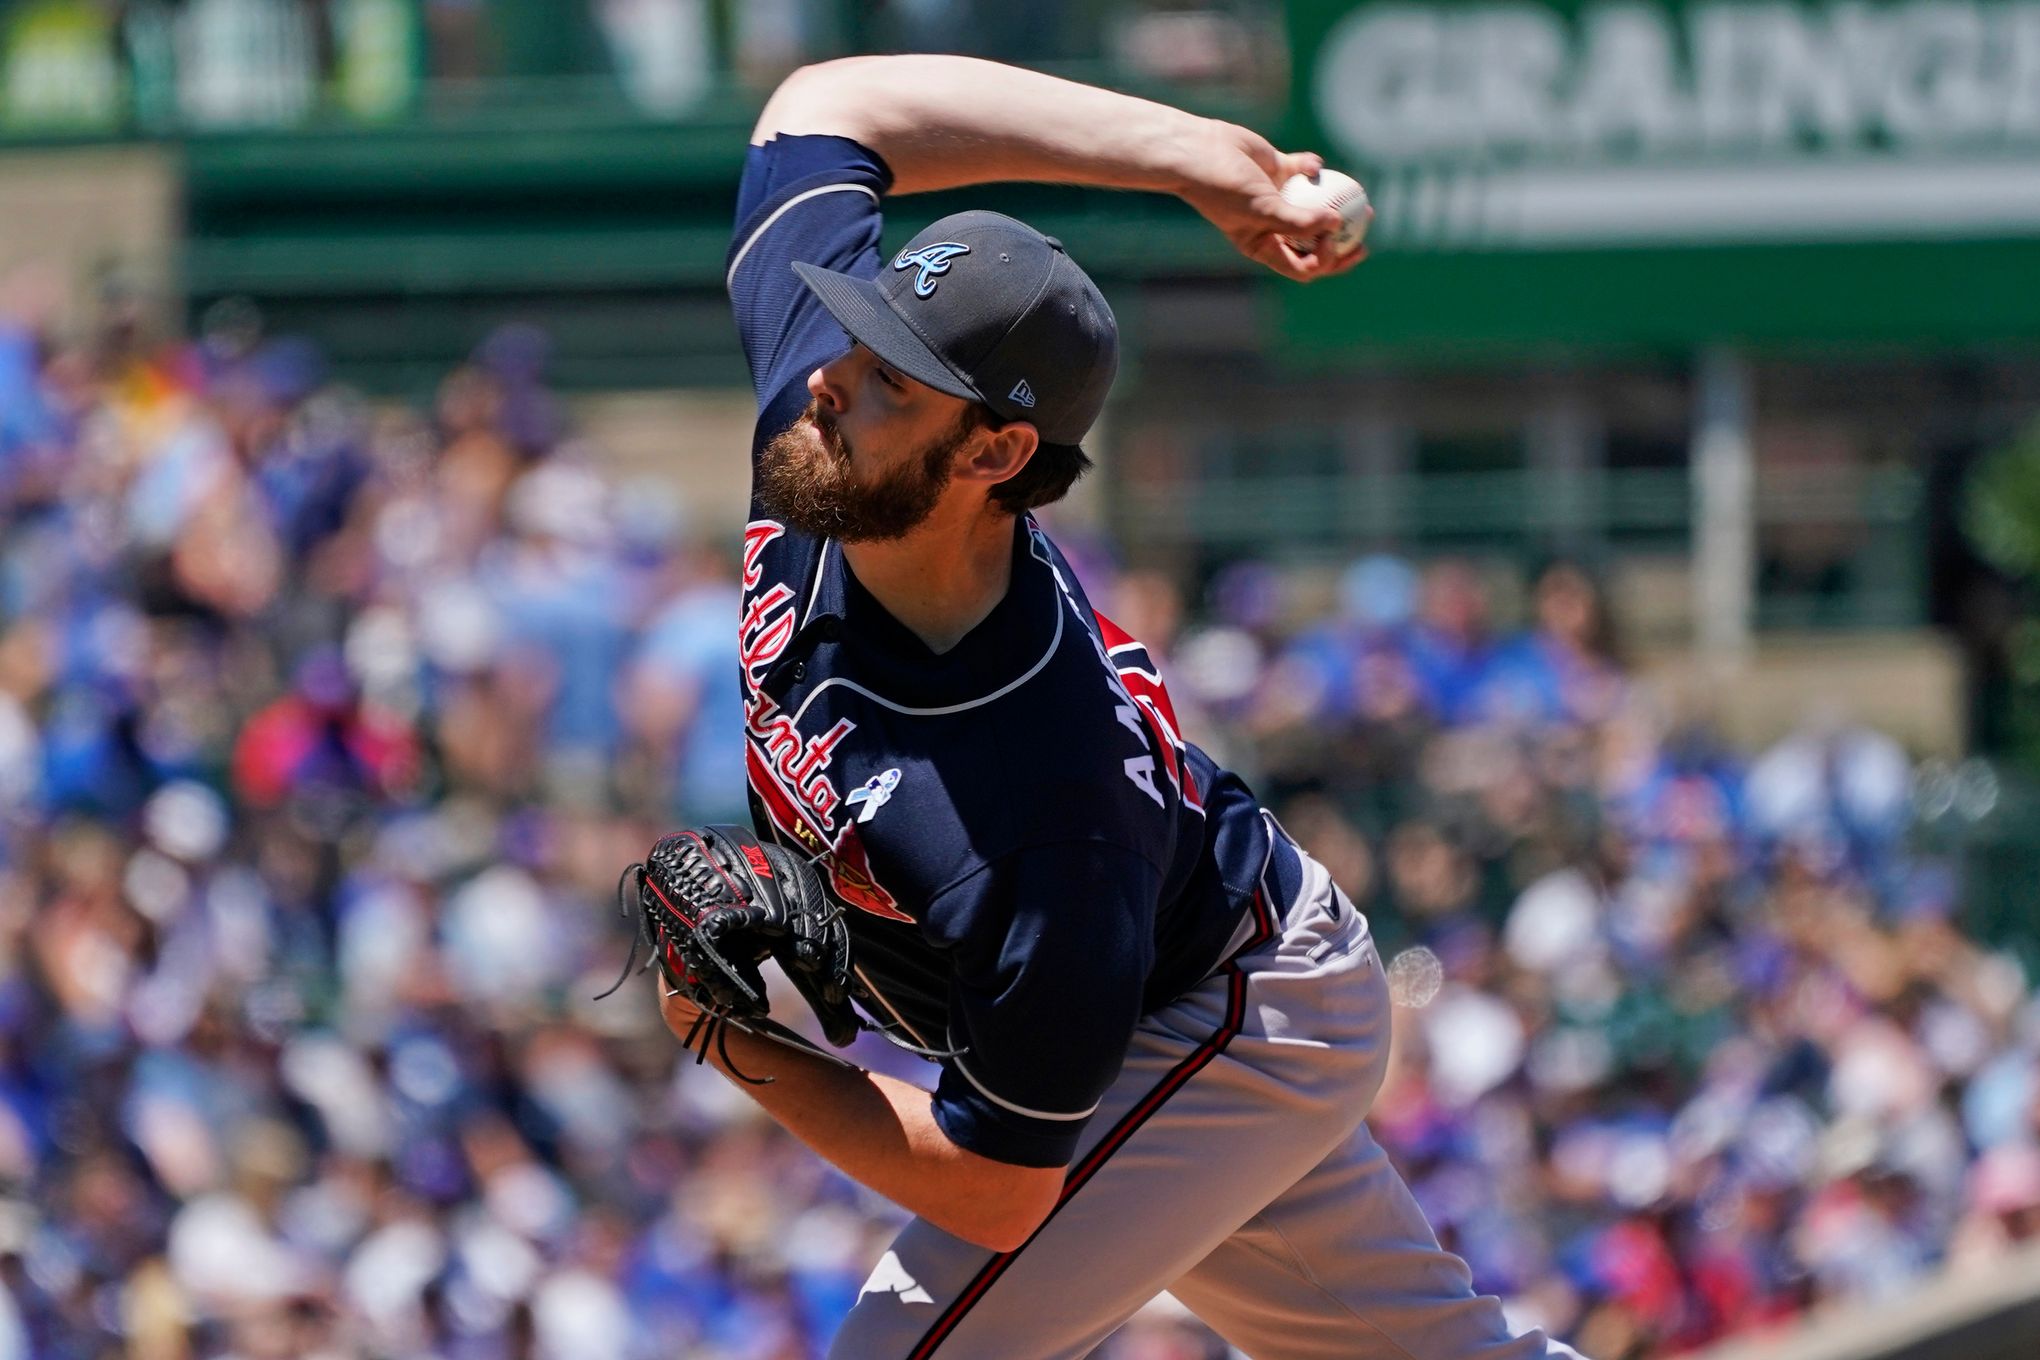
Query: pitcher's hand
(1234,176)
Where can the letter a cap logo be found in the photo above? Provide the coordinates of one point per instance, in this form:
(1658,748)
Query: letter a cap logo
(932,262)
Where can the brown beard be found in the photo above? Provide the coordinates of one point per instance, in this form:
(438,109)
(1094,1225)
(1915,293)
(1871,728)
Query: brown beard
(815,491)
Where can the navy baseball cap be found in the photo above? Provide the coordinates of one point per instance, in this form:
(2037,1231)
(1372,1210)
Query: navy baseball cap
(986,308)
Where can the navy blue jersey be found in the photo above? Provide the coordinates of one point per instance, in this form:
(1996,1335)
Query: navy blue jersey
(1032,854)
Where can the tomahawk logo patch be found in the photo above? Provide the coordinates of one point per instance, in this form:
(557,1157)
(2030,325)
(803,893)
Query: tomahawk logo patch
(932,261)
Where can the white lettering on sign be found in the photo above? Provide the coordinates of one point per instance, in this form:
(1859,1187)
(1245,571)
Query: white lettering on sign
(2022,61)
(1625,86)
(1398,84)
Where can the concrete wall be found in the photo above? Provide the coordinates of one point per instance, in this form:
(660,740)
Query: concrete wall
(71,217)
(697,442)
(1988,1314)
(1908,684)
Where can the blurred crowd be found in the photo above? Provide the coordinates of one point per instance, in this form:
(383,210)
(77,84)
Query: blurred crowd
(325,727)
(1692,1040)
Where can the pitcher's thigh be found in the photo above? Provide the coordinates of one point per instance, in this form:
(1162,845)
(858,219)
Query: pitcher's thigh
(1343,1266)
(1155,1207)
(1184,1154)
(933,1295)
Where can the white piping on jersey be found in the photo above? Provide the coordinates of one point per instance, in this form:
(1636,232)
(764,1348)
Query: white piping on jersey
(1151,706)
(730,278)
(1162,720)
(999,693)
(821,573)
(1127,647)
(1005,1104)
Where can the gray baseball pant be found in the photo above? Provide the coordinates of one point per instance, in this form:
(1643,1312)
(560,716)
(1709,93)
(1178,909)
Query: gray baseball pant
(1229,1165)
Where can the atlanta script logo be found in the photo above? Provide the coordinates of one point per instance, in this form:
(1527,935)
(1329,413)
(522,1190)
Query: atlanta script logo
(790,772)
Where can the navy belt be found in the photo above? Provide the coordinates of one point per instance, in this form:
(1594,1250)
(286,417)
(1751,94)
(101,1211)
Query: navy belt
(1282,880)
(1276,894)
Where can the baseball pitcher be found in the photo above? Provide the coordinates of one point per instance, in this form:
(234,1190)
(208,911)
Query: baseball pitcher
(979,827)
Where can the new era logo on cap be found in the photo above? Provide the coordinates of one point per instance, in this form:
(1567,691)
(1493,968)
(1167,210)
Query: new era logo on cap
(1022,394)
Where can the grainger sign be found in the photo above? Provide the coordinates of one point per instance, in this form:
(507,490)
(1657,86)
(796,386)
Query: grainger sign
(1522,126)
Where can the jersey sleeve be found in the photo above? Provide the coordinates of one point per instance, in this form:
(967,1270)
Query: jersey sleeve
(810,199)
(1050,950)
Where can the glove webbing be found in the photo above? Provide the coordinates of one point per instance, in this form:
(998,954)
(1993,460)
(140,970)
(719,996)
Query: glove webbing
(711,1025)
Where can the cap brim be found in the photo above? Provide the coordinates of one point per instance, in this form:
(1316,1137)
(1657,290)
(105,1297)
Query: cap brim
(861,309)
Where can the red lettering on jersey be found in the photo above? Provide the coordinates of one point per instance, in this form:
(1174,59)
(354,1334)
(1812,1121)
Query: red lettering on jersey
(757,534)
(782,741)
(761,634)
(818,754)
(789,774)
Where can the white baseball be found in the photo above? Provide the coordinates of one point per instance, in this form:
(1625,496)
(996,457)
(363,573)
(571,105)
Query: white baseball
(1332,189)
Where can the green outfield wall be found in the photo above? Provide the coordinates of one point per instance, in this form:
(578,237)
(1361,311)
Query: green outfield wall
(1621,175)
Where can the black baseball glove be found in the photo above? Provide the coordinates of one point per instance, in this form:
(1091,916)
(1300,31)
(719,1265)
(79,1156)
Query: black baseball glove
(714,903)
